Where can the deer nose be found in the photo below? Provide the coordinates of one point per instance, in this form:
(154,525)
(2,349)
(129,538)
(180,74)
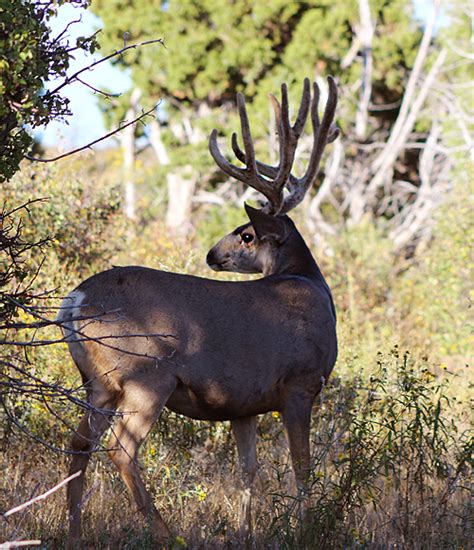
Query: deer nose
(212,260)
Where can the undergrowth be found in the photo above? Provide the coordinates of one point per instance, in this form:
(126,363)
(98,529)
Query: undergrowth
(390,468)
(390,444)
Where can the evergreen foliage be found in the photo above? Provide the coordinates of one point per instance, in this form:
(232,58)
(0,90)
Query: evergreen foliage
(215,49)
(29,57)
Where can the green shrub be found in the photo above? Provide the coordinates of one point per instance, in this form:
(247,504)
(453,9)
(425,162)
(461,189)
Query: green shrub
(433,298)
(385,447)
(81,227)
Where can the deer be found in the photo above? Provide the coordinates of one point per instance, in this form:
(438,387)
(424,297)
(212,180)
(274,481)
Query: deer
(144,339)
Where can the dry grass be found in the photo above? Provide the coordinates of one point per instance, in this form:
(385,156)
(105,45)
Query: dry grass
(380,479)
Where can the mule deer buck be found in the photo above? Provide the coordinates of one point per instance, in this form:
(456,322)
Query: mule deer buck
(144,339)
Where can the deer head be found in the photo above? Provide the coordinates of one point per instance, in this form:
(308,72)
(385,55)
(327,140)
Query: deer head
(270,243)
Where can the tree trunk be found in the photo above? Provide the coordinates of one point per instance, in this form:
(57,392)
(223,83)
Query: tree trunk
(157,143)
(181,185)
(366,35)
(181,182)
(127,142)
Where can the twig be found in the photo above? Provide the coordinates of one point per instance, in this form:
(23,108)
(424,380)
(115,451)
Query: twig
(42,496)
(90,338)
(89,145)
(96,90)
(64,31)
(74,76)
(89,493)
(23,206)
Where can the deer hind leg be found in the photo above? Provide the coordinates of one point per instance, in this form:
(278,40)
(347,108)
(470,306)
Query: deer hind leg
(141,404)
(296,416)
(245,434)
(91,428)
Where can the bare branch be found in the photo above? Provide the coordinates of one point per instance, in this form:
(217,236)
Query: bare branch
(92,143)
(42,496)
(96,90)
(81,336)
(459,51)
(366,33)
(385,158)
(398,137)
(74,76)
(416,216)
(64,31)
(24,206)
(348,59)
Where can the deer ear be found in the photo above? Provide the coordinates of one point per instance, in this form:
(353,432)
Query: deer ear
(266,226)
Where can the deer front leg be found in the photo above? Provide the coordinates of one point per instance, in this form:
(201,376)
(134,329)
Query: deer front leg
(245,434)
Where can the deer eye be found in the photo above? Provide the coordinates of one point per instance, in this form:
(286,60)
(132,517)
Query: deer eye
(247,238)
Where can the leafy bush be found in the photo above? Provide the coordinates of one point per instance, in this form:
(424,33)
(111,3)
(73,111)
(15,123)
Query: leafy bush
(386,447)
(49,246)
(29,57)
(433,299)
(79,213)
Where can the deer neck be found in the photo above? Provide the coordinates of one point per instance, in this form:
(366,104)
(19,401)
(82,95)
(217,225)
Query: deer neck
(294,259)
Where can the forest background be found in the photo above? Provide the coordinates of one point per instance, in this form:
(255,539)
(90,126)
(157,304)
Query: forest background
(389,221)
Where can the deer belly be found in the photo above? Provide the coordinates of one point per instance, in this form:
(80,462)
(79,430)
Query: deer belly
(213,400)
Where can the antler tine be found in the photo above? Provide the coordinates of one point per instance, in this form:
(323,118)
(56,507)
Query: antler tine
(287,140)
(298,126)
(224,165)
(271,180)
(246,134)
(303,111)
(264,169)
(240,174)
(248,175)
(273,193)
(277,110)
(323,133)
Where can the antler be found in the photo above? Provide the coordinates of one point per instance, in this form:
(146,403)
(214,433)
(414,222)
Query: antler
(271,180)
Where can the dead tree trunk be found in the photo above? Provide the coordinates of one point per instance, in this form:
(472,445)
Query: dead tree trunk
(366,33)
(181,186)
(127,142)
(181,182)
(157,143)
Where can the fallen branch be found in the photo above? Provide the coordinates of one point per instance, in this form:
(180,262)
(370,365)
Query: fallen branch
(18,543)
(38,498)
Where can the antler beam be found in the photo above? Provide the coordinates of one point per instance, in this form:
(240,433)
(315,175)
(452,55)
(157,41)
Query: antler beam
(271,180)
